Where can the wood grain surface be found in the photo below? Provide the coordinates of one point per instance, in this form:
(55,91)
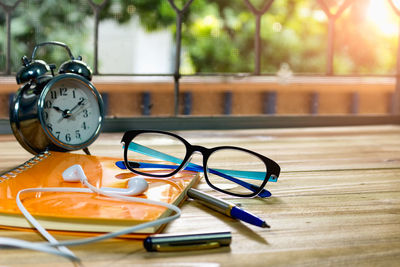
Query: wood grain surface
(337,203)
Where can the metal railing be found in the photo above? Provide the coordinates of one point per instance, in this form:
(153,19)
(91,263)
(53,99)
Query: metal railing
(258,14)
(176,75)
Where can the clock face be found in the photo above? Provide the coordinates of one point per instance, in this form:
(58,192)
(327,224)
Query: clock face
(71,111)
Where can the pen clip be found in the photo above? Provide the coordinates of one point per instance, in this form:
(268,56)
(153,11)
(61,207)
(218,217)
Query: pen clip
(208,245)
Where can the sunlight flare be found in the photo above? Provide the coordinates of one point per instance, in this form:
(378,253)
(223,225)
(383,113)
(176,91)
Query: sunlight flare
(381,14)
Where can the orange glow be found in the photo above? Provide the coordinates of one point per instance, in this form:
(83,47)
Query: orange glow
(383,16)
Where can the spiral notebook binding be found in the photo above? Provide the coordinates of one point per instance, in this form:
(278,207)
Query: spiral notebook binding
(24,166)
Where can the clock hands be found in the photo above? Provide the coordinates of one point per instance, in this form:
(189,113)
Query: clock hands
(69,112)
(80,103)
(58,109)
(65,113)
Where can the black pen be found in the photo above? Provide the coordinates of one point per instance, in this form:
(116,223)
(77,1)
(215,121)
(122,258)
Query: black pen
(182,242)
(226,208)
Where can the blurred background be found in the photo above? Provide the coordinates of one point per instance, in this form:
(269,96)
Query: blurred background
(216,57)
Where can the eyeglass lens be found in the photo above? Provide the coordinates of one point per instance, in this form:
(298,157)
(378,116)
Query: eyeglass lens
(227,169)
(156,148)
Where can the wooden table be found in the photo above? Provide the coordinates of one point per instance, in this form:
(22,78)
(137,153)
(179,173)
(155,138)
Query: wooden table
(337,203)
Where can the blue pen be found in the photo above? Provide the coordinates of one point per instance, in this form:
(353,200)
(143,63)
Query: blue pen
(226,208)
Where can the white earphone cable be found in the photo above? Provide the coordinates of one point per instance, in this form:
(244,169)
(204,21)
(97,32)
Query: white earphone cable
(12,242)
(61,249)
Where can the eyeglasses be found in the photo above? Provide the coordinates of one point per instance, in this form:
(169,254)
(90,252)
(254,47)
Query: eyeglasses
(232,170)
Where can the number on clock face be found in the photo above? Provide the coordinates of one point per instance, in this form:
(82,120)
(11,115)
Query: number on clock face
(71,111)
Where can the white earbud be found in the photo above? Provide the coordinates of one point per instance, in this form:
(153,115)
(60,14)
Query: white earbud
(74,173)
(136,185)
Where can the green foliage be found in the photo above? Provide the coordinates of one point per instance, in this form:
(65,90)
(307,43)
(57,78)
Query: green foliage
(221,38)
(154,14)
(37,21)
(218,36)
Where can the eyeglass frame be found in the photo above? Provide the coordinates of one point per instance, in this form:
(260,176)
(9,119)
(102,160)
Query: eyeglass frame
(272,168)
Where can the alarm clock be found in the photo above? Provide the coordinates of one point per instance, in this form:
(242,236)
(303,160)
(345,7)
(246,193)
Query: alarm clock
(59,112)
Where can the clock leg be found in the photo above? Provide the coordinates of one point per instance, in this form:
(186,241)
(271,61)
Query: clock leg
(86,150)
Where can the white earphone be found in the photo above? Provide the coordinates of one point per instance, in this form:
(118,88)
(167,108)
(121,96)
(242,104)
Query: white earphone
(75,173)
(135,187)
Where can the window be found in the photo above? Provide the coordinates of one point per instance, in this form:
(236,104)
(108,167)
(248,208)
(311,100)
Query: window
(239,58)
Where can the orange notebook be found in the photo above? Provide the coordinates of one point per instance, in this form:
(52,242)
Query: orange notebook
(84,212)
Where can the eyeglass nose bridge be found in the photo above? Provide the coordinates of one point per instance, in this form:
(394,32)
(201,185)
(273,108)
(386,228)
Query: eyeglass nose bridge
(199,150)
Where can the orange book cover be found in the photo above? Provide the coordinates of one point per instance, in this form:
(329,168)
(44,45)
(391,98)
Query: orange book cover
(84,212)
